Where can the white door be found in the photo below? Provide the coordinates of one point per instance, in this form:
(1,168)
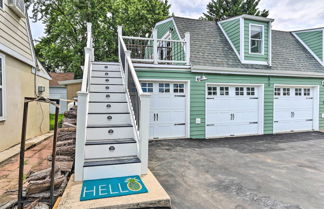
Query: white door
(168,109)
(293,109)
(233,110)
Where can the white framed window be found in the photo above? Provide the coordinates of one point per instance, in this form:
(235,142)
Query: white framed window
(223,91)
(307,92)
(212,90)
(2,87)
(239,91)
(1,4)
(277,92)
(178,88)
(147,87)
(298,92)
(164,87)
(164,47)
(256,39)
(285,91)
(250,91)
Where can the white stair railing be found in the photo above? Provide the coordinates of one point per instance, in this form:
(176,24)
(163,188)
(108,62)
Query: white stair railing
(140,101)
(83,102)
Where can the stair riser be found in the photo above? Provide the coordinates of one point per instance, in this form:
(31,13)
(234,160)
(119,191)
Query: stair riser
(106,74)
(111,171)
(102,133)
(102,107)
(106,81)
(104,151)
(107,88)
(109,119)
(104,67)
(108,97)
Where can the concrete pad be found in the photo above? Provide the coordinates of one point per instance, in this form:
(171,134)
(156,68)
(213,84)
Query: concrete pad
(156,197)
(6,154)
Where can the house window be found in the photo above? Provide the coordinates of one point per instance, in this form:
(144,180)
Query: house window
(164,47)
(239,91)
(1,4)
(147,87)
(306,92)
(285,91)
(256,39)
(277,92)
(298,92)
(178,88)
(2,99)
(224,91)
(212,91)
(164,87)
(250,91)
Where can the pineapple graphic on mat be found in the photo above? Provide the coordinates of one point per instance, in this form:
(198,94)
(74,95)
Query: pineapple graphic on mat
(133,184)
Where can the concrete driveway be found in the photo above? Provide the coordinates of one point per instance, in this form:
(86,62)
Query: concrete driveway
(275,171)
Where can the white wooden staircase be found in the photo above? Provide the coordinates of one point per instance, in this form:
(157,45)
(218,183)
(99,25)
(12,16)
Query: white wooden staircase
(113,117)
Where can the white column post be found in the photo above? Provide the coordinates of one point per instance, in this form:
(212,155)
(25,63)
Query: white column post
(187,51)
(120,34)
(144,131)
(155,47)
(81,134)
(127,54)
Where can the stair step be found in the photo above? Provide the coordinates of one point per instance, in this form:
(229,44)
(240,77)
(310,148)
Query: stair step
(108,107)
(107,102)
(107,97)
(90,142)
(110,92)
(109,119)
(105,87)
(111,161)
(105,67)
(106,81)
(106,77)
(110,126)
(107,113)
(105,74)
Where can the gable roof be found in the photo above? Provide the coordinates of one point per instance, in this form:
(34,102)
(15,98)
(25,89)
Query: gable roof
(56,77)
(210,48)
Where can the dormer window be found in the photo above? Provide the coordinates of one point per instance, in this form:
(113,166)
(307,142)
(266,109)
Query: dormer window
(256,39)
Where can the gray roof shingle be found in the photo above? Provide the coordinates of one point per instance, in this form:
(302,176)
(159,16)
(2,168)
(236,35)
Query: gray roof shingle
(209,47)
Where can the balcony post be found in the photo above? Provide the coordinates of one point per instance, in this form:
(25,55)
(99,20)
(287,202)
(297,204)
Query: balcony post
(127,54)
(155,47)
(144,131)
(120,34)
(187,47)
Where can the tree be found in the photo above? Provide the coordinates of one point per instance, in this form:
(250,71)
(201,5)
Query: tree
(62,48)
(222,9)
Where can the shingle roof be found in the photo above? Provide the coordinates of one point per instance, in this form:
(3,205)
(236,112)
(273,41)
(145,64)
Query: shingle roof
(56,77)
(209,47)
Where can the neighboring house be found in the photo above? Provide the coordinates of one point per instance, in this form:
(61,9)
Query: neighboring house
(196,79)
(59,91)
(17,77)
(72,88)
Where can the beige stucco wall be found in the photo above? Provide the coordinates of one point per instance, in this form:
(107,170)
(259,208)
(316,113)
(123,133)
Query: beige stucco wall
(72,90)
(19,84)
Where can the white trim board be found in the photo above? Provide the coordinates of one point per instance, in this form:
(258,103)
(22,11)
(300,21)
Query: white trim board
(187,101)
(16,55)
(250,17)
(4,111)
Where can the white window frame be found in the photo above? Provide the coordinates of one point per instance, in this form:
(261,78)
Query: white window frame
(250,39)
(3,87)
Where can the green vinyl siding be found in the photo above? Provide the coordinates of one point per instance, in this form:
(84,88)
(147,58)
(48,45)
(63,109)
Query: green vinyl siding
(197,93)
(232,30)
(314,41)
(256,57)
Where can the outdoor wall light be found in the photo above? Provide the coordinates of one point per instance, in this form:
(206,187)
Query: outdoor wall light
(201,78)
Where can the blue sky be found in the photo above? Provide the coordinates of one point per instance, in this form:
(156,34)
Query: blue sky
(288,14)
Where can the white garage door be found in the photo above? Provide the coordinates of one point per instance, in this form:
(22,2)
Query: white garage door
(293,109)
(233,110)
(168,109)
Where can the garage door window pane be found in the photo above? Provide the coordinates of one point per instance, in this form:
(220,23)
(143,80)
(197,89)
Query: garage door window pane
(277,92)
(147,87)
(250,91)
(178,88)
(164,87)
(224,91)
(212,91)
(298,92)
(286,92)
(239,91)
(306,92)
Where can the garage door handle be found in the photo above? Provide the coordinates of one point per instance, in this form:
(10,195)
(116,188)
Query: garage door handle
(180,124)
(179,95)
(254,97)
(309,119)
(253,122)
(276,121)
(210,124)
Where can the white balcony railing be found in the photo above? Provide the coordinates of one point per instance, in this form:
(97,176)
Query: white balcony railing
(158,51)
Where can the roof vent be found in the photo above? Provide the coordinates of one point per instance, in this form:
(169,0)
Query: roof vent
(18,6)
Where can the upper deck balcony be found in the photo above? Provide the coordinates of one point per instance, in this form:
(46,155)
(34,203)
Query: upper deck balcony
(152,50)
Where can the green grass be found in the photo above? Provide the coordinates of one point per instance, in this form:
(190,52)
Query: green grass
(52,120)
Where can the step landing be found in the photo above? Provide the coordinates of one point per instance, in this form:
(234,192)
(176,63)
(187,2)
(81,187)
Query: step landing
(155,198)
